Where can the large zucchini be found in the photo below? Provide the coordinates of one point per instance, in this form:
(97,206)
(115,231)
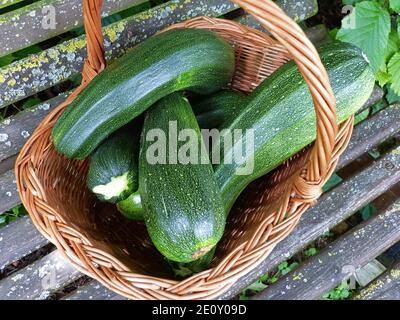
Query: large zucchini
(281,114)
(182,203)
(192,59)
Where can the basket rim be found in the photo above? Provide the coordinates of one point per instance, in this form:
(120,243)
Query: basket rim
(212,282)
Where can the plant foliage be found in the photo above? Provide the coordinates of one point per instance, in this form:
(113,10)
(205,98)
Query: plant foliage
(374,26)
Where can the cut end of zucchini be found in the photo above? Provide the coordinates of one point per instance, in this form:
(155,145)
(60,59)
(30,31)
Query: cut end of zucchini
(114,188)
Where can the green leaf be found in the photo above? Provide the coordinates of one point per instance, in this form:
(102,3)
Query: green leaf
(374,154)
(378,107)
(264,278)
(393,44)
(283,265)
(257,286)
(383,77)
(332,182)
(293,266)
(344,294)
(391,97)
(361,117)
(333,33)
(368,27)
(29,103)
(394,71)
(3,219)
(395,5)
(243,296)
(368,211)
(311,252)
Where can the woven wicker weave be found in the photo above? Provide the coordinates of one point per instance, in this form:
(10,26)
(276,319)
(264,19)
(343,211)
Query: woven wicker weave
(102,244)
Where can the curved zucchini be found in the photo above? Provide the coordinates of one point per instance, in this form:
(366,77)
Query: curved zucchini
(182,203)
(281,115)
(192,59)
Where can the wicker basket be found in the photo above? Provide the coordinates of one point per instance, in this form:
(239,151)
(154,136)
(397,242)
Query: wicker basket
(99,242)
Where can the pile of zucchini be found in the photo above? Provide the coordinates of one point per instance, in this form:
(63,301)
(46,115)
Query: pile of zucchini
(185,205)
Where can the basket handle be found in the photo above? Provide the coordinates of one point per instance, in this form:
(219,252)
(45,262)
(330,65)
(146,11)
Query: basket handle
(303,52)
(95,61)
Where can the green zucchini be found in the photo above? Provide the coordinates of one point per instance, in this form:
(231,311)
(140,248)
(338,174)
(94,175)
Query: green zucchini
(132,207)
(218,109)
(182,203)
(181,59)
(211,112)
(113,167)
(281,115)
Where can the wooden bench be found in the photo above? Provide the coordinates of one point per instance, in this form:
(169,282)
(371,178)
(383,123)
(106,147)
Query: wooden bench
(31,268)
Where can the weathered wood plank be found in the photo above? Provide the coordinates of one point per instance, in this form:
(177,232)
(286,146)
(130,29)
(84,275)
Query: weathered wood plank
(331,209)
(376,96)
(15,130)
(9,197)
(351,251)
(19,239)
(93,291)
(45,19)
(371,132)
(45,69)
(40,279)
(385,287)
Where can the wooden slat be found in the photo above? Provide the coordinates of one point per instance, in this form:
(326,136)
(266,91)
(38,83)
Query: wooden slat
(385,287)
(371,132)
(39,280)
(9,197)
(93,291)
(351,251)
(30,24)
(19,239)
(45,69)
(15,130)
(331,209)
